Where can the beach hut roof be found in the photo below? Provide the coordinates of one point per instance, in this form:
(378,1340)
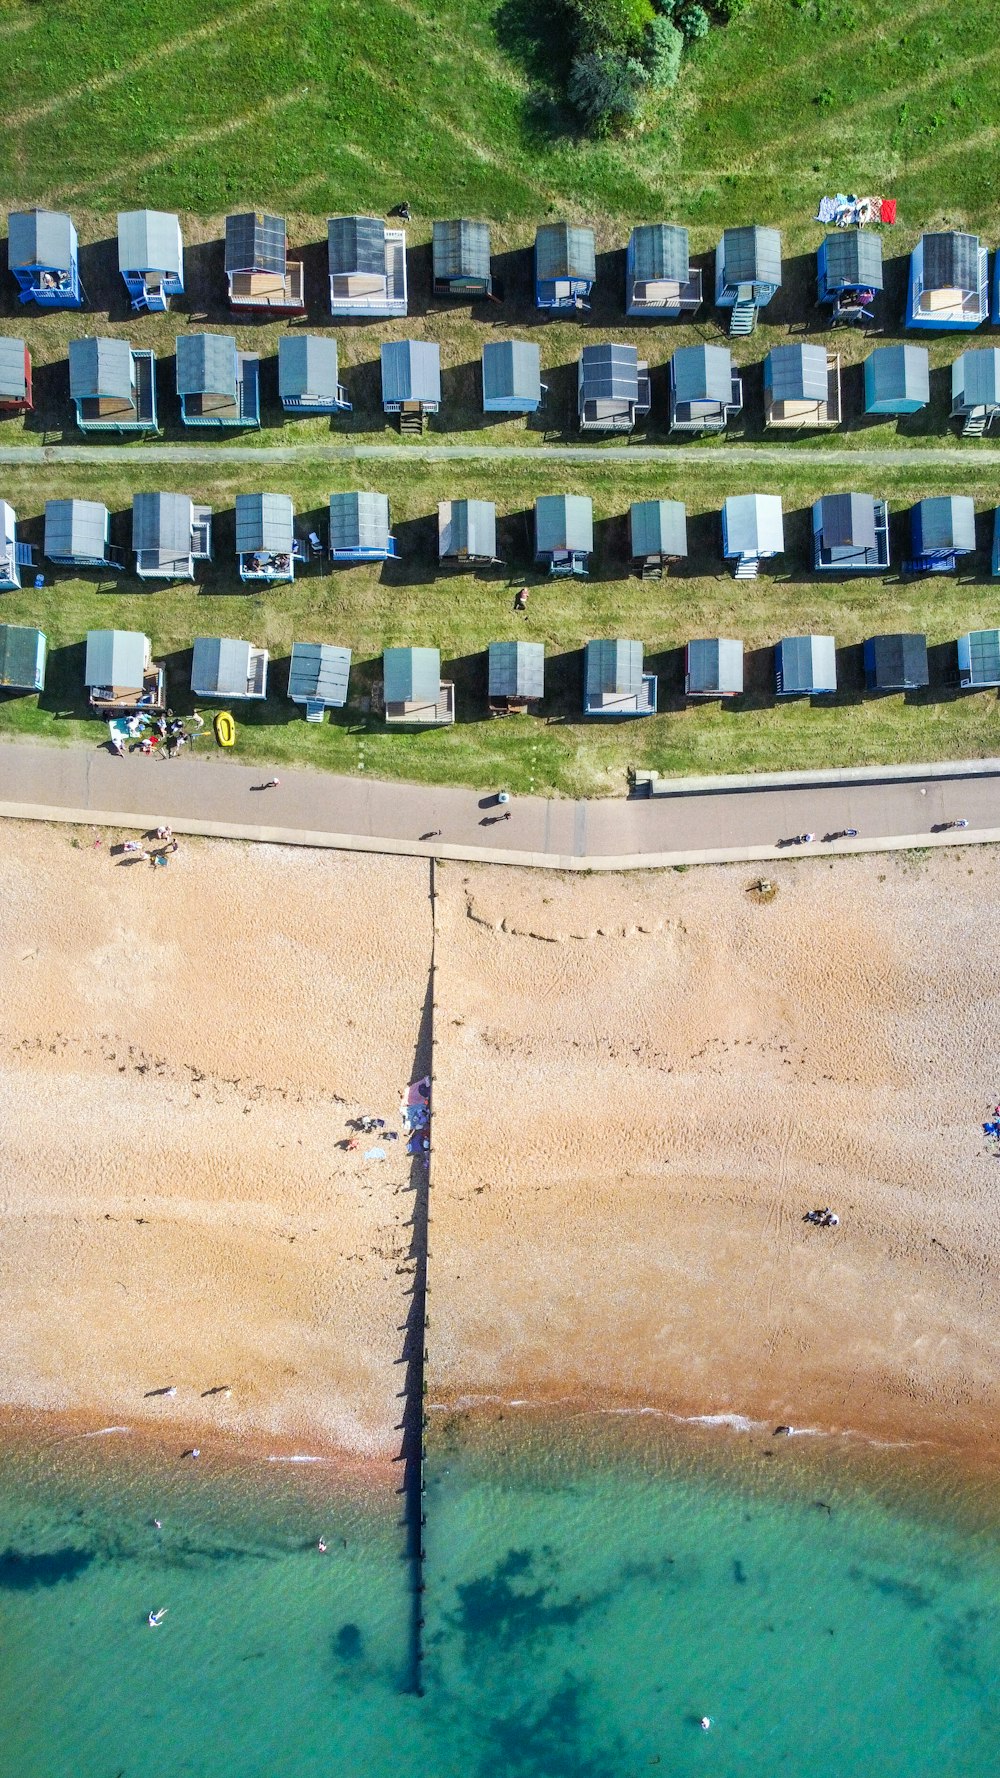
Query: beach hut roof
(754,524)
(899,373)
(411,370)
(13,374)
(100,367)
(162,523)
(516,669)
(715,664)
(610,373)
(945,521)
(40,237)
(411,675)
(319,670)
(847,521)
(565,251)
(256,242)
(473,527)
(264,522)
(854,257)
(77,528)
(613,667)
(356,244)
(658,528)
(148,241)
(512,369)
(461,249)
(206,364)
(307,365)
(564,521)
(702,373)
(951,260)
(898,660)
(983,650)
(660,250)
(797,373)
(752,255)
(116,657)
(975,377)
(808,663)
(359,521)
(221,664)
(19,651)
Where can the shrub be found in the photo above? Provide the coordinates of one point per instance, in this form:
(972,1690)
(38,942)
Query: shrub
(664,47)
(605,91)
(611,24)
(694,21)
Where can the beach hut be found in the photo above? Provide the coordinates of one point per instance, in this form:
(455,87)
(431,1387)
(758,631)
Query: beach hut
(15,377)
(564,533)
(467,533)
(308,375)
(121,675)
(460,259)
(752,531)
(411,381)
(975,390)
(43,254)
(359,528)
(565,266)
(849,273)
(896,663)
(515,677)
(657,536)
(151,257)
(414,693)
(805,666)
(169,535)
(259,273)
(318,676)
(78,535)
(512,377)
(217,385)
(612,388)
(747,274)
(979,659)
(265,537)
(659,279)
(614,682)
(850,534)
(995,558)
(942,529)
(22,658)
(713,668)
(367,263)
(112,386)
(801,387)
(949,285)
(897,380)
(228,669)
(706,390)
(15,555)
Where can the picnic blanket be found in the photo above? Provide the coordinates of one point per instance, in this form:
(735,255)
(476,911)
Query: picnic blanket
(849,211)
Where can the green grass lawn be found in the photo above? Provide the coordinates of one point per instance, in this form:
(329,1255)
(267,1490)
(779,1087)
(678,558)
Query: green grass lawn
(369,608)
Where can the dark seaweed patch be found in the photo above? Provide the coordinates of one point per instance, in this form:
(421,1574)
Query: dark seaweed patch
(347,1645)
(549,1741)
(908,1592)
(504,1607)
(739,1573)
(22,1571)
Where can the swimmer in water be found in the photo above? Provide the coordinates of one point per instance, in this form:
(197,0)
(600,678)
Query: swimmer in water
(321,1546)
(705,1723)
(156,1618)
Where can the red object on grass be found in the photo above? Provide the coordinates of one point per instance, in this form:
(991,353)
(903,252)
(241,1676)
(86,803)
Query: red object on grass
(889,210)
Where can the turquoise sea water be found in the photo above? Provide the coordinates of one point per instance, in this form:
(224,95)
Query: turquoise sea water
(583,1608)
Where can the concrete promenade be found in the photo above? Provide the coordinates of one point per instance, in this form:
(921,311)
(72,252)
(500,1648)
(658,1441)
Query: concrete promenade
(697,821)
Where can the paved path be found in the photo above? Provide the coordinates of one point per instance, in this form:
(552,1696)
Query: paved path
(697,822)
(733,454)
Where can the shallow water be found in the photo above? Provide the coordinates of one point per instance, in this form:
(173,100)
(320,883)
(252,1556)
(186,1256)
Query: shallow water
(582,1612)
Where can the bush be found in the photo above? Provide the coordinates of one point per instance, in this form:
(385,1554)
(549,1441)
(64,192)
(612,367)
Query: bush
(611,25)
(605,91)
(664,47)
(694,21)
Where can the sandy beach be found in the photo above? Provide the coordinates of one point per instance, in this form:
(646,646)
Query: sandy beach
(182,1050)
(642,1084)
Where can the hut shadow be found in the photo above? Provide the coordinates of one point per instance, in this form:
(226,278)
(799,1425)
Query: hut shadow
(469,675)
(513,274)
(607,299)
(850,677)
(462,395)
(272,414)
(559,419)
(564,686)
(611,560)
(419,279)
(53,413)
(206,294)
(796,295)
(65,695)
(704,531)
(102,281)
(668,665)
(935,418)
(798,546)
(316,284)
(758,683)
(516,540)
(364,389)
(417,562)
(942,670)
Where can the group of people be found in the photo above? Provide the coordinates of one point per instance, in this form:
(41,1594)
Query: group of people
(823,1219)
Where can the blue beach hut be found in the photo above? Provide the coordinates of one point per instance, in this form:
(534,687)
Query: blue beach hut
(78,535)
(22,658)
(897,380)
(747,274)
(512,377)
(112,386)
(949,284)
(43,254)
(849,273)
(942,529)
(318,676)
(217,385)
(15,555)
(565,266)
(614,681)
(975,390)
(805,666)
(411,381)
(151,257)
(359,528)
(850,534)
(706,390)
(659,280)
(564,533)
(713,668)
(308,375)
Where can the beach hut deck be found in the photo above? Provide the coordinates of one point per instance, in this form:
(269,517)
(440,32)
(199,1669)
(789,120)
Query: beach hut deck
(259,272)
(660,281)
(949,282)
(414,694)
(169,534)
(112,386)
(15,377)
(227,668)
(942,530)
(467,532)
(515,677)
(801,388)
(150,257)
(318,677)
(850,534)
(265,537)
(14,555)
(22,658)
(706,390)
(713,668)
(367,267)
(43,255)
(217,385)
(121,675)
